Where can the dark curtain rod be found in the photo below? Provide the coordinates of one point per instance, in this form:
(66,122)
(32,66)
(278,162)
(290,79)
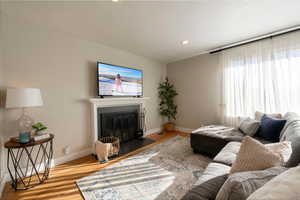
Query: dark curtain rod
(270,36)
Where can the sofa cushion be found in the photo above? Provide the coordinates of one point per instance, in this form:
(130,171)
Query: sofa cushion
(270,128)
(289,117)
(206,190)
(241,185)
(283,149)
(292,134)
(249,126)
(210,140)
(284,186)
(222,132)
(228,154)
(208,185)
(213,170)
(253,155)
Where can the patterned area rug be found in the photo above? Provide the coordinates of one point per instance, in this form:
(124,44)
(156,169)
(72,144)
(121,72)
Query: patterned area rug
(164,172)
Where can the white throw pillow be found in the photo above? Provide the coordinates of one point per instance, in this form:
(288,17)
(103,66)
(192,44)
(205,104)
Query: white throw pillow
(249,126)
(254,155)
(285,186)
(283,149)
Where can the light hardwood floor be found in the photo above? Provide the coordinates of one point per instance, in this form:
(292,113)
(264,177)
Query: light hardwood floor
(61,183)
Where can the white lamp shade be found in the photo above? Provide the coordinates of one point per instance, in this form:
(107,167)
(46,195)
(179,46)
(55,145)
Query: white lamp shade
(23,97)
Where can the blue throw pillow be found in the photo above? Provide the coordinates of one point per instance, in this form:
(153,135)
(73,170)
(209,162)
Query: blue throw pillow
(270,128)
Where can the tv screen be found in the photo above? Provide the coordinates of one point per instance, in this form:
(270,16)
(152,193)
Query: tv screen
(115,80)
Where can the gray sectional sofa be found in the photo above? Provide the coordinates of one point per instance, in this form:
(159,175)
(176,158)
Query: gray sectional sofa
(217,172)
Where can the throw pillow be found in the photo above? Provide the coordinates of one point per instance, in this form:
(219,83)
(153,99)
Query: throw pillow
(258,115)
(206,190)
(270,128)
(284,186)
(241,185)
(249,126)
(253,155)
(283,149)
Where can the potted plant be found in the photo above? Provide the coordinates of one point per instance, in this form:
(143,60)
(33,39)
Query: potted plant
(39,128)
(167,106)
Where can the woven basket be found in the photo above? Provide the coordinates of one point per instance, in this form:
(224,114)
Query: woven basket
(115,145)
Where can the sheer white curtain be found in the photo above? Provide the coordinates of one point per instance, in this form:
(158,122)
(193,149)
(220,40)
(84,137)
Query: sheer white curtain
(262,76)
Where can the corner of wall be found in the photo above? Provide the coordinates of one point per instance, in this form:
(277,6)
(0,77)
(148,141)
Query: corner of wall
(197,80)
(3,178)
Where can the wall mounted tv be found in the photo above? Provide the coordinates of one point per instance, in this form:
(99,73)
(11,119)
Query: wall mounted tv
(114,80)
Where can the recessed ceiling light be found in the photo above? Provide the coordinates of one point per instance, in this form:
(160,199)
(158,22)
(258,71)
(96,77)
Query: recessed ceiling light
(184,42)
(114,0)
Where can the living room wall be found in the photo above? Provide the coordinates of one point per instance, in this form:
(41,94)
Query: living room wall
(198,82)
(63,66)
(2,160)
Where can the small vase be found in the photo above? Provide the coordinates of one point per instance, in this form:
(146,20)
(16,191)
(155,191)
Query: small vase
(24,137)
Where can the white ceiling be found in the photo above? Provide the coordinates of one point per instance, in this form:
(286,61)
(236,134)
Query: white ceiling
(155,29)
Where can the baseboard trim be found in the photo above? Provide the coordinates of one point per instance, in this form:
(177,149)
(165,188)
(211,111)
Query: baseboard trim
(152,131)
(183,129)
(70,157)
(77,155)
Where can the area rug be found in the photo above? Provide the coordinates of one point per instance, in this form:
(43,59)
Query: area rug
(164,172)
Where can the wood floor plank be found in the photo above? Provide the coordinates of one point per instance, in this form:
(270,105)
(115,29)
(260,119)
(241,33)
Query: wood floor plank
(61,183)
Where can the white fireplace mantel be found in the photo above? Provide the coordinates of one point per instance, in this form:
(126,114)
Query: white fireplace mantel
(110,102)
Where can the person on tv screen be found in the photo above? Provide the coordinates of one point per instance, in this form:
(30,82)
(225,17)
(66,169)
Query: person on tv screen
(118,83)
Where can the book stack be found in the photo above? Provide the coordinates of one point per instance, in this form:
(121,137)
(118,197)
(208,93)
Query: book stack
(41,137)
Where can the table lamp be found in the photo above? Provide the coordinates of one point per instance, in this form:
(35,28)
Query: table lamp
(23,98)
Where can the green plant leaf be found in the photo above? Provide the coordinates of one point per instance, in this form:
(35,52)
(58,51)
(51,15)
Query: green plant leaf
(39,126)
(167,106)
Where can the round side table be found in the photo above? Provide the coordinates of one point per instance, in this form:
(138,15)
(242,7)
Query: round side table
(29,164)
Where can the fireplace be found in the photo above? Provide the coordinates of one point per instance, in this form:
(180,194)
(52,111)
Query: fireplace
(121,117)
(124,122)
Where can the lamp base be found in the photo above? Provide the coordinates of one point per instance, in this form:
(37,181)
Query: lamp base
(25,123)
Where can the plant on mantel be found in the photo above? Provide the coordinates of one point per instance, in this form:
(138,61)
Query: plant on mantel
(167,106)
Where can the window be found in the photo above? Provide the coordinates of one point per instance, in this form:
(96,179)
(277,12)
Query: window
(263,76)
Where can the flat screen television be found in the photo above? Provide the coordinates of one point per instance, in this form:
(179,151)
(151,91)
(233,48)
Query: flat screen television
(114,80)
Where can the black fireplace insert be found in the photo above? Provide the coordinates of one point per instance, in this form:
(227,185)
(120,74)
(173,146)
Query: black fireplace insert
(124,122)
